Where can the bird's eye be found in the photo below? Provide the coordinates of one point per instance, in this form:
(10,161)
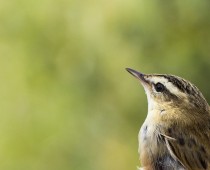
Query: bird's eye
(159,87)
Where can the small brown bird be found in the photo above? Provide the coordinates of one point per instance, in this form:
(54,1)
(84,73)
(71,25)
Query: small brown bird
(176,132)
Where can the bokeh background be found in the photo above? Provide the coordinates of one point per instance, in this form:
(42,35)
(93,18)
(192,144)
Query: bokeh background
(66,101)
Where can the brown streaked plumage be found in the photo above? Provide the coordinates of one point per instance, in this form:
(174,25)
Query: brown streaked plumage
(176,132)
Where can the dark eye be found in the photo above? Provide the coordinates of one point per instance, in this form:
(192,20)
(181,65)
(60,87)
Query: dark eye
(159,87)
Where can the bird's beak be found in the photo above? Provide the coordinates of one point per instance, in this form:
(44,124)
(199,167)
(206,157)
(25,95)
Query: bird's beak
(138,75)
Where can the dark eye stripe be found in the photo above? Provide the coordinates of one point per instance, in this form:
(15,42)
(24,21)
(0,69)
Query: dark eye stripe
(181,85)
(170,96)
(166,92)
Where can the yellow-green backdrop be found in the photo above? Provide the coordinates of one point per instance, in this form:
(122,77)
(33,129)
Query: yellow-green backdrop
(66,101)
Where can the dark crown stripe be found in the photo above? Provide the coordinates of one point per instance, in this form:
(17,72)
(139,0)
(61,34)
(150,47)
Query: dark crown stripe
(181,84)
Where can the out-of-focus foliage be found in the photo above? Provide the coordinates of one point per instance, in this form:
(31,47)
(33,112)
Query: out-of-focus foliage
(66,101)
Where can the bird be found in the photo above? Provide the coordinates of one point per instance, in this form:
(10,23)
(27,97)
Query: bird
(176,132)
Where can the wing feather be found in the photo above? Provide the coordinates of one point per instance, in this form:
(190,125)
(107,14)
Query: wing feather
(189,150)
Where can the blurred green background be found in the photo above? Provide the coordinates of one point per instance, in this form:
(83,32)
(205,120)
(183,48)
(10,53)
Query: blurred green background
(66,101)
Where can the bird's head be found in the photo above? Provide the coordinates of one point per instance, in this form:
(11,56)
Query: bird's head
(166,92)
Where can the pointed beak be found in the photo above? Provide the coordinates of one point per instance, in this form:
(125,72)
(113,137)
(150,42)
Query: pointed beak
(138,75)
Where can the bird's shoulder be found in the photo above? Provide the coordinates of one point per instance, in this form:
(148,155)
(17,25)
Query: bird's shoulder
(189,145)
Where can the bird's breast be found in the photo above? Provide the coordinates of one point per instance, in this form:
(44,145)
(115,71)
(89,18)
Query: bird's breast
(148,144)
(152,149)
(149,134)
